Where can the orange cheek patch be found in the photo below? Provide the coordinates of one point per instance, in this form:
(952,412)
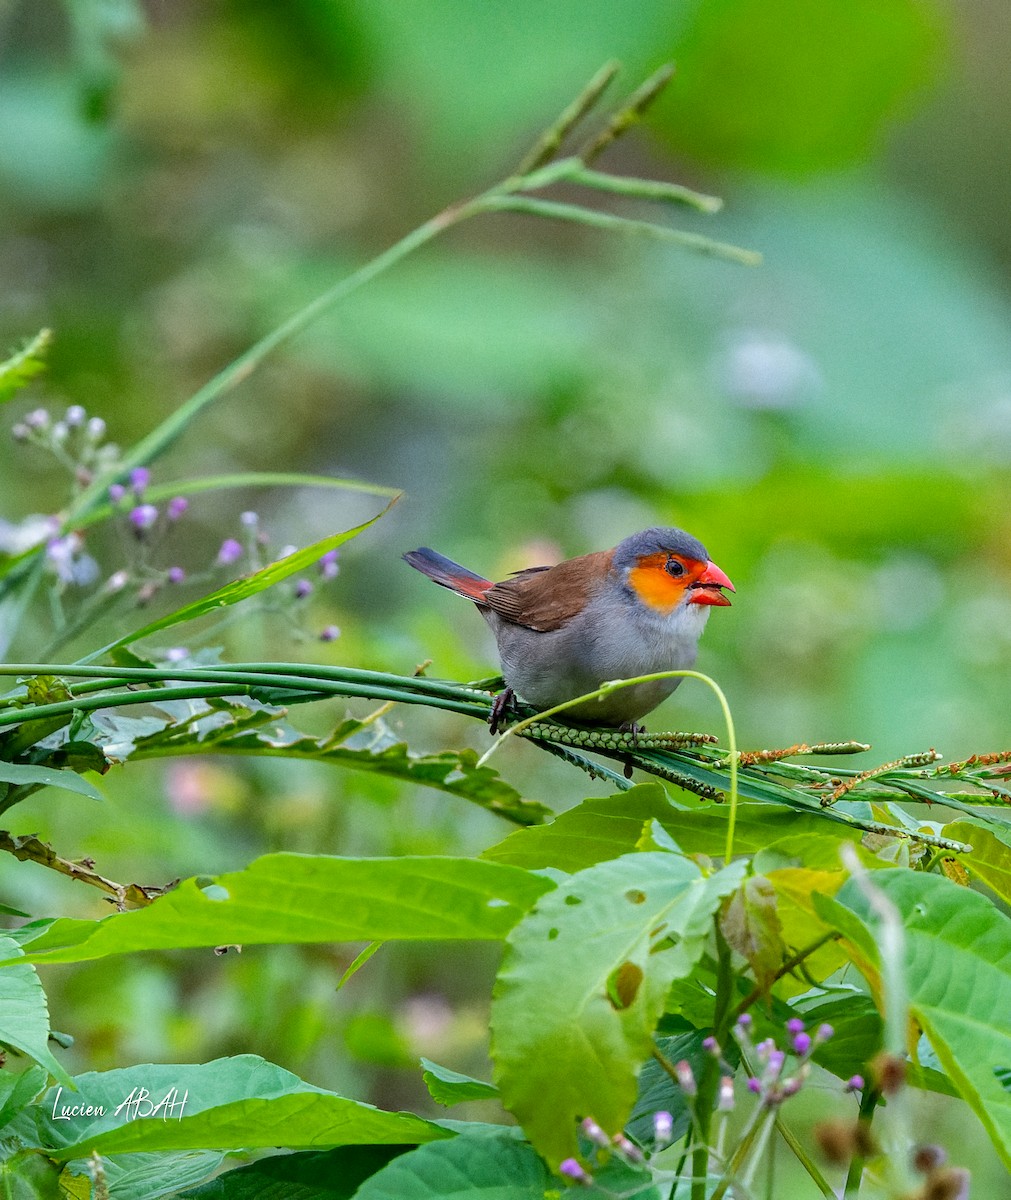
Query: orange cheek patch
(655,586)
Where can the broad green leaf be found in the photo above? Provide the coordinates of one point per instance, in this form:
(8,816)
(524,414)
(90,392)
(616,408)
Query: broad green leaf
(310,1175)
(310,898)
(21,368)
(18,1091)
(599,829)
(227,1104)
(24,1015)
(750,924)
(450,1087)
(481,1167)
(958,975)
(143,1176)
(990,860)
(242,589)
(452,771)
(27,1175)
(595,961)
(25,774)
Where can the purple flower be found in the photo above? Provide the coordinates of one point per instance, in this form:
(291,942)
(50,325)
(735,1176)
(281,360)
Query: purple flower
(330,634)
(140,477)
(176,574)
(663,1127)
(143,517)
(776,1060)
(744,1020)
(712,1045)
(685,1077)
(795,1025)
(38,418)
(802,1043)
(96,429)
(823,1033)
(594,1132)
(302,589)
(249,520)
(754,1085)
(230,552)
(855,1083)
(75,416)
(630,1150)
(176,507)
(116,492)
(725,1102)
(328,564)
(571,1169)
(792,1086)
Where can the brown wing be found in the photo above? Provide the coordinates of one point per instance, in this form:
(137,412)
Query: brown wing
(546,598)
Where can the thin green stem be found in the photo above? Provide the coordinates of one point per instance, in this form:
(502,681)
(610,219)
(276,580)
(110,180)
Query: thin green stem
(854,1175)
(805,1160)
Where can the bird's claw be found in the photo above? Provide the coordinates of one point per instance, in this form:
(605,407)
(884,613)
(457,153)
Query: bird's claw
(499,714)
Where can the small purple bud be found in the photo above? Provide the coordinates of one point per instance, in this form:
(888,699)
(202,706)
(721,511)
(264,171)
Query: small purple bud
(795,1025)
(855,1083)
(663,1128)
(571,1169)
(116,492)
(20,432)
(725,1100)
(754,1085)
(230,552)
(177,654)
(302,589)
(249,520)
(823,1033)
(764,1049)
(744,1021)
(712,1045)
(75,416)
(176,507)
(140,477)
(38,418)
(96,429)
(328,564)
(176,575)
(802,1043)
(330,634)
(143,517)
(685,1077)
(791,1087)
(594,1132)
(630,1150)
(776,1060)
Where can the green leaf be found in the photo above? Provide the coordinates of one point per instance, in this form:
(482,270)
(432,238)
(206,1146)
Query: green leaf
(24,1015)
(990,860)
(747,96)
(323,1175)
(452,771)
(145,1176)
(227,1104)
(18,1091)
(21,368)
(599,829)
(27,1175)
(594,961)
(750,923)
(450,1087)
(242,589)
(303,898)
(25,774)
(958,975)
(470,1167)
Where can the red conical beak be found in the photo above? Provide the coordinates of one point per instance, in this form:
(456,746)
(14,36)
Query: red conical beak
(706,589)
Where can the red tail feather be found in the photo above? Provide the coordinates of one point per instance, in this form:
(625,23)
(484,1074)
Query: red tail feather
(449,574)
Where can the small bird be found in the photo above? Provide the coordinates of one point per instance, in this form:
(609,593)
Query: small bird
(614,614)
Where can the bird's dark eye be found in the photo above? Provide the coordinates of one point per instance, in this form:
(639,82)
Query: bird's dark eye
(674,567)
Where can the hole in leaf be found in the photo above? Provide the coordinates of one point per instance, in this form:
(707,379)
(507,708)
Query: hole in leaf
(215,891)
(623,985)
(634,896)
(495,902)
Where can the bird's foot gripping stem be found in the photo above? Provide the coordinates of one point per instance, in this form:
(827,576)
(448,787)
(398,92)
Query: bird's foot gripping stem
(499,714)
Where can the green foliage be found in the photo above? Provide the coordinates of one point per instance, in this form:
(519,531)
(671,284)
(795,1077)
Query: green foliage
(24,366)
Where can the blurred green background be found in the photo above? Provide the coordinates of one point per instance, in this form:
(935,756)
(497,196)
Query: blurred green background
(835,425)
